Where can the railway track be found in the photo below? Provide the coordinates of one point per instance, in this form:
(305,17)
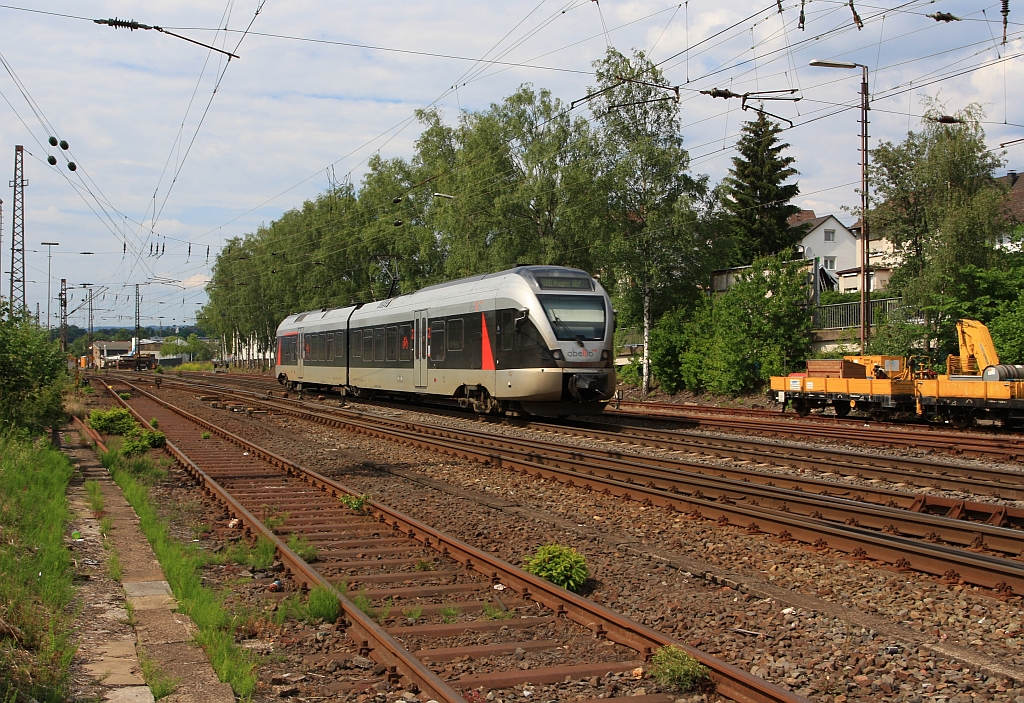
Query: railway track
(902,538)
(1001,446)
(925,473)
(396,561)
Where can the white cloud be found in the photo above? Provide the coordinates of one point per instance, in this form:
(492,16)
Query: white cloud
(285,109)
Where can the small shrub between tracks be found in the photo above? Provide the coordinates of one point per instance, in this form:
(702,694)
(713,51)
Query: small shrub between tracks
(561,565)
(671,666)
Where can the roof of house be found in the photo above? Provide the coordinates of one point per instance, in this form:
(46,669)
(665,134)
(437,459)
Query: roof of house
(800,217)
(812,223)
(1014,203)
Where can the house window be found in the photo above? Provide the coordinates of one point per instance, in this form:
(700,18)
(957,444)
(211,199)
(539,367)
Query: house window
(830,263)
(830,235)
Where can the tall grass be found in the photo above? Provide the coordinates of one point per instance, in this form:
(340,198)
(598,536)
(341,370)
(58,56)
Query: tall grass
(182,567)
(36,587)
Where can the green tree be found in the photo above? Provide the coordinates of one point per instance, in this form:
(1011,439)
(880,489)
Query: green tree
(757,329)
(173,346)
(941,207)
(654,241)
(33,373)
(756,194)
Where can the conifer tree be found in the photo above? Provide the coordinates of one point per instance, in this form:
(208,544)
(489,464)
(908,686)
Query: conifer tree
(755,194)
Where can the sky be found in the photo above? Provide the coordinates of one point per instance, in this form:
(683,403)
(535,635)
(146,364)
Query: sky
(179,150)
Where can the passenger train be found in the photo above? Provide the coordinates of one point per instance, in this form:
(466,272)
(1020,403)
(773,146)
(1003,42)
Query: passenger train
(532,339)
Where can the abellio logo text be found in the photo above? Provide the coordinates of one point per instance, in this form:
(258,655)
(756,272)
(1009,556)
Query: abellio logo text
(580,353)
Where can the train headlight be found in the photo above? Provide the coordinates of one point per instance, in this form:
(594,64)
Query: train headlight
(557,355)
(605,355)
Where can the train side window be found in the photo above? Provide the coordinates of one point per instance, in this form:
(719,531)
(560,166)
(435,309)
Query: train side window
(455,329)
(357,344)
(378,344)
(320,339)
(405,342)
(392,339)
(367,345)
(330,346)
(435,341)
(507,330)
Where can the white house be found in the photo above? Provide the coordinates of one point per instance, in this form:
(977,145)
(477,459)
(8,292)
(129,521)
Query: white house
(838,250)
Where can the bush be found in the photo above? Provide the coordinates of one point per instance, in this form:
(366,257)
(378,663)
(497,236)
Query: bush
(323,605)
(139,441)
(117,421)
(671,666)
(37,587)
(562,566)
(33,373)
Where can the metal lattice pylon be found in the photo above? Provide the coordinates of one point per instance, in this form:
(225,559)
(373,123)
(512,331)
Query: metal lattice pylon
(17,296)
(64,314)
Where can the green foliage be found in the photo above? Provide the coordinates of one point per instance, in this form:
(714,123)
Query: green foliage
(834,297)
(414,613)
(181,565)
(114,568)
(124,396)
(323,604)
(1007,330)
(737,340)
(33,373)
(259,556)
(139,441)
(154,423)
(302,547)
(757,200)
(944,212)
(671,666)
(205,435)
(631,373)
(363,602)
(356,503)
(562,566)
(425,565)
(116,421)
(450,613)
(160,683)
(36,589)
(494,612)
(95,495)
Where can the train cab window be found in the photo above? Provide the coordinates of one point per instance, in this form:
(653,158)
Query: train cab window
(368,345)
(435,341)
(378,344)
(405,342)
(392,347)
(357,344)
(455,333)
(330,347)
(507,329)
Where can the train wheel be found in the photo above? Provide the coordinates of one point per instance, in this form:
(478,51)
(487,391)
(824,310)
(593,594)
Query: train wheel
(842,408)
(881,415)
(961,419)
(801,408)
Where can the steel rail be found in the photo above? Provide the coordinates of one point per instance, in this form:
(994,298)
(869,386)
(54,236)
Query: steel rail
(999,447)
(387,650)
(1002,575)
(730,681)
(1005,484)
(808,497)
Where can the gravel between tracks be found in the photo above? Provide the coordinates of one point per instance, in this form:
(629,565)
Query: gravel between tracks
(824,630)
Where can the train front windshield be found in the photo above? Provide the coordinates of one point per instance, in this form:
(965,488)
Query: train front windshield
(575,317)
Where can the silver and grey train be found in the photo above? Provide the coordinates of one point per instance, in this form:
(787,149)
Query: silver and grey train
(535,339)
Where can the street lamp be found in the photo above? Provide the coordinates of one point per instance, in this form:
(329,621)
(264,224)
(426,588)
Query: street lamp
(865,263)
(49,259)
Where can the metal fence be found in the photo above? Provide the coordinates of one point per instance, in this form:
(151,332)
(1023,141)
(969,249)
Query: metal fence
(846,315)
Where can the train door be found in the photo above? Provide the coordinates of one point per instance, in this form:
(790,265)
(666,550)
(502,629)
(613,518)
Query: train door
(420,358)
(300,354)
